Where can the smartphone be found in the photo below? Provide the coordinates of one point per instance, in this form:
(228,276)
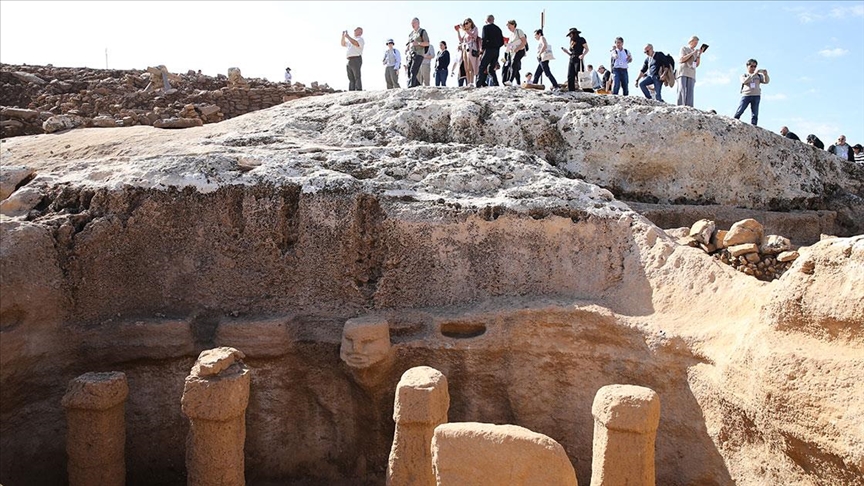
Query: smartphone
(704,47)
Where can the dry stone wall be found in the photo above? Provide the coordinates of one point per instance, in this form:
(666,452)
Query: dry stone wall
(45,99)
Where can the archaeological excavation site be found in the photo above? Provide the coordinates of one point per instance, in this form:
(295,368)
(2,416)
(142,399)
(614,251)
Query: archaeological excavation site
(233,282)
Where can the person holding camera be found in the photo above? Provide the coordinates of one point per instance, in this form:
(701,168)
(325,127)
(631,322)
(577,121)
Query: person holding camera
(688,61)
(418,45)
(751,91)
(469,49)
(354,54)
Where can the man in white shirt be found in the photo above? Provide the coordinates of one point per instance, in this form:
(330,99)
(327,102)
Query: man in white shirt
(842,149)
(354,54)
(620,61)
(595,78)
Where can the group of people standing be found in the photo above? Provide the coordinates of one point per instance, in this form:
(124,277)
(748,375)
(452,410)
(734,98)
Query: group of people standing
(476,59)
(840,148)
(478,51)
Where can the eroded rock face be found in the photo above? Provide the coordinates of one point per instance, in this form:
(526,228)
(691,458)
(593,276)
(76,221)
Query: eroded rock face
(820,294)
(529,289)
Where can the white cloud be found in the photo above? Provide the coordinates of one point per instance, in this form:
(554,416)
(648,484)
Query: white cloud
(775,97)
(715,77)
(837,52)
(807,17)
(824,130)
(843,12)
(805,79)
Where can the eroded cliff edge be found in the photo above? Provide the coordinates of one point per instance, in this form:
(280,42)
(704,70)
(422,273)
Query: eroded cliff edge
(472,220)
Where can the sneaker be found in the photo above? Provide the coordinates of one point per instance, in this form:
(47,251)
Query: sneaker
(507,83)
(556,90)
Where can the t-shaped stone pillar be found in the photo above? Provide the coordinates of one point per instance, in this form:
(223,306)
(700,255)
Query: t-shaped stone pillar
(421,404)
(491,455)
(625,426)
(96,438)
(215,397)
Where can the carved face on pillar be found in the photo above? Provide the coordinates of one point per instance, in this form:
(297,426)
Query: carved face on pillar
(365,342)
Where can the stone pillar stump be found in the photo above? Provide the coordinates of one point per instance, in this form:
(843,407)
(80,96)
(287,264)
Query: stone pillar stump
(625,426)
(215,397)
(421,404)
(95,406)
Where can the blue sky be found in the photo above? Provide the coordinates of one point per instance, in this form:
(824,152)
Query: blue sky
(814,51)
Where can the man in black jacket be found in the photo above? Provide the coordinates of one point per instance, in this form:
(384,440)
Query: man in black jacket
(493,40)
(651,72)
(790,135)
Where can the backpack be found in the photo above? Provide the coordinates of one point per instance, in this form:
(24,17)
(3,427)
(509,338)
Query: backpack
(422,33)
(628,57)
(666,60)
(666,71)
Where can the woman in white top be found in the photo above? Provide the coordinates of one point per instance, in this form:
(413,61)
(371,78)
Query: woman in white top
(544,55)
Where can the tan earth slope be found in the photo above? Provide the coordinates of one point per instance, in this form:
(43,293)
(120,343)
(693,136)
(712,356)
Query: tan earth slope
(472,222)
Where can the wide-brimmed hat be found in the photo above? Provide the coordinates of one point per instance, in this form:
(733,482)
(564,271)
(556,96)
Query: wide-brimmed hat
(389,41)
(573,30)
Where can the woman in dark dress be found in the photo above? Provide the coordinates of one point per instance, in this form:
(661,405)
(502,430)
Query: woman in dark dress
(577,52)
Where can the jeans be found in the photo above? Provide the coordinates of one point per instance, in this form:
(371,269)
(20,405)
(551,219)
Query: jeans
(441,77)
(487,67)
(753,101)
(543,67)
(658,85)
(413,69)
(353,68)
(516,67)
(622,80)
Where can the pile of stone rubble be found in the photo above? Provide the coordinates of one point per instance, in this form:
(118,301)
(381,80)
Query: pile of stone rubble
(744,246)
(46,99)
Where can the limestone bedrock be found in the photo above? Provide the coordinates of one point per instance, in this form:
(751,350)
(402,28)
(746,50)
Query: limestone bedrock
(474,221)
